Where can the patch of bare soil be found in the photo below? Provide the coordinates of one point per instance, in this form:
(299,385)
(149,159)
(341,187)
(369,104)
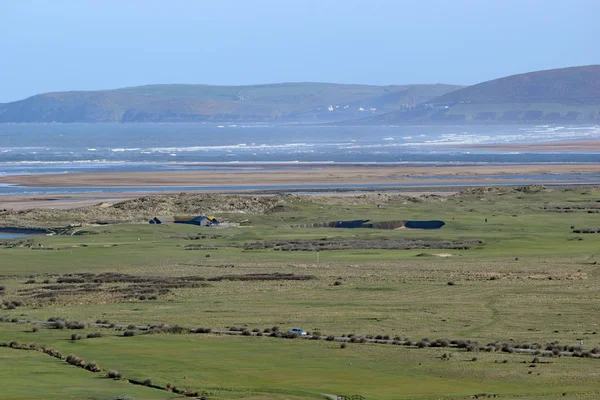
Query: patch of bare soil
(355,244)
(114,287)
(493,275)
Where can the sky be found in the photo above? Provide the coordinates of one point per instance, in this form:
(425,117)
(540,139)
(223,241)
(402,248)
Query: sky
(64,45)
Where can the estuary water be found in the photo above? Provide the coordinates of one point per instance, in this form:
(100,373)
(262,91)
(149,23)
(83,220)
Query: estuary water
(71,148)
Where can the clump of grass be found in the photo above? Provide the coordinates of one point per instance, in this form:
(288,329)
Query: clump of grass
(343,345)
(147,382)
(94,335)
(129,333)
(76,336)
(34,329)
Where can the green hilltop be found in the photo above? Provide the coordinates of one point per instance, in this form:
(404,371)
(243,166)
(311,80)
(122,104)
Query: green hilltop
(566,95)
(303,102)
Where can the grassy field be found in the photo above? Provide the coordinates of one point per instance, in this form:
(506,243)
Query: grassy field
(531,280)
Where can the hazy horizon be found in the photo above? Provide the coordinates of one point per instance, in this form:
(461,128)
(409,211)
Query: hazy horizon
(68,45)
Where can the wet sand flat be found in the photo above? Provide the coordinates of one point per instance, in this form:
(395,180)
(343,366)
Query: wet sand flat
(327,175)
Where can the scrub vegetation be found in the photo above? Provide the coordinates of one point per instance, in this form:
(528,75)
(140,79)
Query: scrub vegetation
(125,310)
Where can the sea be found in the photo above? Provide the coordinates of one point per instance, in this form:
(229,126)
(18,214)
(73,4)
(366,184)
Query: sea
(157,147)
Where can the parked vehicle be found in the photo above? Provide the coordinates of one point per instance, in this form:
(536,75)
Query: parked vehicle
(299,331)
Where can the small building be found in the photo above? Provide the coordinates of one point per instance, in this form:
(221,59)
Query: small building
(199,220)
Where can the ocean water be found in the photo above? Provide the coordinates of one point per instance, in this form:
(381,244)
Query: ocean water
(69,148)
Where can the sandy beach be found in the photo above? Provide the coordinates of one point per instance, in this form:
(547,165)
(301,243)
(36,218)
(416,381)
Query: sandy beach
(580,146)
(402,178)
(327,175)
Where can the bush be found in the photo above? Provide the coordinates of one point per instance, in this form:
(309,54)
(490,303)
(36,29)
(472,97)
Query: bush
(343,346)
(74,360)
(128,333)
(93,367)
(131,327)
(114,374)
(337,283)
(255,330)
(450,283)
(275,329)
(75,336)
(246,332)
(474,359)
(147,382)
(94,335)
(59,324)
(75,325)
(35,329)
(330,338)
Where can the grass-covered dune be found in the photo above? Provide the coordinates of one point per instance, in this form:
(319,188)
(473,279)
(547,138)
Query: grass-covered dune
(525,281)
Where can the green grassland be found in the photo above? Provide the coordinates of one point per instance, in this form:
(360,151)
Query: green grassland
(532,280)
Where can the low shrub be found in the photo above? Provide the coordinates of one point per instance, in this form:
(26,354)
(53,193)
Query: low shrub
(129,333)
(76,336)
(93,367)
(330,338)
(147,382)
(35,329)
(74,360)
(343,346)
(114,374)
(94,335)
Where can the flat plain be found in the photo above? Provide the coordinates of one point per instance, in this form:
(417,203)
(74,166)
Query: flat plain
(496,303)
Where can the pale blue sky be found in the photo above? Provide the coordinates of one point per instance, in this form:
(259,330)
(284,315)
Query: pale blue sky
(55,45)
